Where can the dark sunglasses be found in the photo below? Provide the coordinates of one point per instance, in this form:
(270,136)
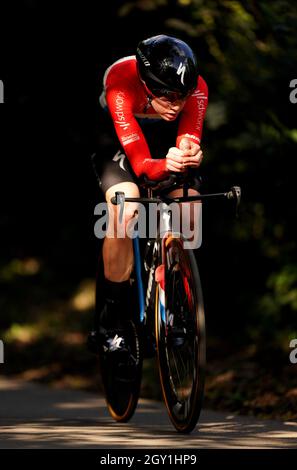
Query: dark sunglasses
(169,95)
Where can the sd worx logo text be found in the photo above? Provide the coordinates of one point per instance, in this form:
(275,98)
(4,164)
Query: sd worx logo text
(1,92)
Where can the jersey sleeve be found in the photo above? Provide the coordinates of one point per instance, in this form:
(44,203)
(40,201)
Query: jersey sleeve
(120,105)
(191,122)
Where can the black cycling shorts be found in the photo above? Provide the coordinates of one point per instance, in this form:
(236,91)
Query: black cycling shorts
(113,170)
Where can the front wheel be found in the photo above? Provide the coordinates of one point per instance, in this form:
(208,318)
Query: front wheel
(180,333)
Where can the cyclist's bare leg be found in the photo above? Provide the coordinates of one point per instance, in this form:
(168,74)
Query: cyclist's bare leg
(118,252)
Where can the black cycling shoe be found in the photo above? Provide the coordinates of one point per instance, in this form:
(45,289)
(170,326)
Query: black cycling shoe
(112,346)
(113,341)
(116,350)
(96,337)
(107,341)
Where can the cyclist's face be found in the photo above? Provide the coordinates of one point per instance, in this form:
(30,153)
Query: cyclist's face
(168,110)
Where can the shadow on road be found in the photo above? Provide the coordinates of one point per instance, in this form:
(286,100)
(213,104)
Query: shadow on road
(34,416)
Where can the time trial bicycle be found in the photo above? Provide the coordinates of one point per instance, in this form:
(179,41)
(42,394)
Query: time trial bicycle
(169,319)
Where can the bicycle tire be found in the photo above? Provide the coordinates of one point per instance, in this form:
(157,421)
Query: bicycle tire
(183,397)
(121,394)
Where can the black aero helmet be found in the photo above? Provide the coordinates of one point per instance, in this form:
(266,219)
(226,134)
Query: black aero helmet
(167,65)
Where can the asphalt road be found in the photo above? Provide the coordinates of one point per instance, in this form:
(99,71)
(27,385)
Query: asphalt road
(35,416)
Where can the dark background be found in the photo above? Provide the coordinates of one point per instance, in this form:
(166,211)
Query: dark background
(52,59)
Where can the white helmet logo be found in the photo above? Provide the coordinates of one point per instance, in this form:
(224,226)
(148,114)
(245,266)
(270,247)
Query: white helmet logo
(181,71)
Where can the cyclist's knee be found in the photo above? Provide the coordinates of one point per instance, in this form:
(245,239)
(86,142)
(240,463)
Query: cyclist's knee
(130,190)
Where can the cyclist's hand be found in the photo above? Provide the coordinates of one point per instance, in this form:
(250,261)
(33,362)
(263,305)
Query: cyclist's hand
(192,153)
(175,160)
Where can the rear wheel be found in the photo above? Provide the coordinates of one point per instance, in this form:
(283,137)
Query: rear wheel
(121,380)
(180,333)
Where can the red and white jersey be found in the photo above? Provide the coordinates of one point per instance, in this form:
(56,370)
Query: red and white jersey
(126,99)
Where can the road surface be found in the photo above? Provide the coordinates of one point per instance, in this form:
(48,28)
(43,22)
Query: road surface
(35,416)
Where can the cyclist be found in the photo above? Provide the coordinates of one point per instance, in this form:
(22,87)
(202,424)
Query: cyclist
(157,101)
